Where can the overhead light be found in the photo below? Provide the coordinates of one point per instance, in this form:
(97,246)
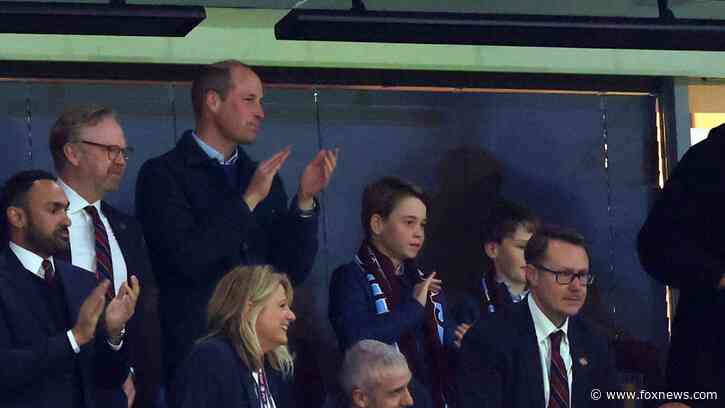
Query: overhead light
(502,29)
(98,19)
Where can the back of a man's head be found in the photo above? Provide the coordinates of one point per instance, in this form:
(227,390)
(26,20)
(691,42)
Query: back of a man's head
(372,370)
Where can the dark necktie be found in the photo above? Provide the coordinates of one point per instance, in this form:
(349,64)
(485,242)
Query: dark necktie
(558,380)
(49,271)
(104,265)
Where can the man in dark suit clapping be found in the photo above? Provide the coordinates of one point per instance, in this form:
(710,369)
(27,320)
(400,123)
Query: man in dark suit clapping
(59,345)
(90,154)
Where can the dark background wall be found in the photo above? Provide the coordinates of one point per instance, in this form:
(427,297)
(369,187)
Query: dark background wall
(544,150)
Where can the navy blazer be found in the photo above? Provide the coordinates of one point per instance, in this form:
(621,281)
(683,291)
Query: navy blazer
(214,376)
(500,366)
(143,330)
(682,244)
(198,228)
(30,352)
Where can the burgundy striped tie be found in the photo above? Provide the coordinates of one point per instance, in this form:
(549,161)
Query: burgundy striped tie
(49,271)
(104,265)
(558,380)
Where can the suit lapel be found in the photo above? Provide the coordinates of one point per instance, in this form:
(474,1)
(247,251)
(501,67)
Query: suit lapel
(531,359)
(249,387)
(21,280)
(580,350)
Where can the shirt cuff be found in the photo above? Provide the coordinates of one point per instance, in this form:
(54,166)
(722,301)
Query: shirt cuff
(115,347)
(73,342)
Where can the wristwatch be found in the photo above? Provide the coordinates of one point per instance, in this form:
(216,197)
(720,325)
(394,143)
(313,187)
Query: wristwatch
(308,213)
(117,341)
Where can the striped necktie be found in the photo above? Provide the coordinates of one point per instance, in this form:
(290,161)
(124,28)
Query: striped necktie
(48,271)
(558,380)
(104,264)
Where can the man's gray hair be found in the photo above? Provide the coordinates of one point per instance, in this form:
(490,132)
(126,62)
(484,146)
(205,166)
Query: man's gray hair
(365,362)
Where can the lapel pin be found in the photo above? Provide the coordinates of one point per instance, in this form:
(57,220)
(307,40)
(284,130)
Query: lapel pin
(583,361)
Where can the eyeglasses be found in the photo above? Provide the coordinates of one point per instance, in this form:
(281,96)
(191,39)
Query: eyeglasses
(565,278)
(113,150)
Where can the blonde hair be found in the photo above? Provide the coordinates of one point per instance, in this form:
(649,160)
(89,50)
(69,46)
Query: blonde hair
(234,309)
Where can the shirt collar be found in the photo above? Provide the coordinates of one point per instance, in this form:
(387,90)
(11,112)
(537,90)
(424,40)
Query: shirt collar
(75,201)
(543,326)
(214,153)
(30,260)
(516,298)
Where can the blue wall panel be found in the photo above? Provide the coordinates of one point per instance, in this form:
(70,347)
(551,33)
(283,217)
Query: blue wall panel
(546,149)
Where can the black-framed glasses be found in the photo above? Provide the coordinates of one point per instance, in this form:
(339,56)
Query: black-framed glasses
(113,150)
(565,278)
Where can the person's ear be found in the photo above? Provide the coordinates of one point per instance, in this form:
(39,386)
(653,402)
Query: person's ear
(72,153)
(376,224)
(359,398)
(491,249)
(213,100)
(16,217)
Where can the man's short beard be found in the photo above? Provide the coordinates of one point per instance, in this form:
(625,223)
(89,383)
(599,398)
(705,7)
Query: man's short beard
(45,244)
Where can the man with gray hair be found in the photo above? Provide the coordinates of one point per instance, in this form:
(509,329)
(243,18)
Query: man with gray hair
(375,375)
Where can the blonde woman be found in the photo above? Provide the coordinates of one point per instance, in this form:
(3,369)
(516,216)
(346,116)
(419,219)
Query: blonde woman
(243,361)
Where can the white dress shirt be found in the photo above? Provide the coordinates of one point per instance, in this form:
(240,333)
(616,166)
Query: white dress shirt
(544,327)
(34,263)
(83,237)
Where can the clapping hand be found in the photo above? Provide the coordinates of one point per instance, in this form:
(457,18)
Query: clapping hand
(121,308)
(261,182)
(316,177)
(89,314)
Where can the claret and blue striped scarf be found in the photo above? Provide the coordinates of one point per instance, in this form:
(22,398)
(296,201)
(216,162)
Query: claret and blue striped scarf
(385,288)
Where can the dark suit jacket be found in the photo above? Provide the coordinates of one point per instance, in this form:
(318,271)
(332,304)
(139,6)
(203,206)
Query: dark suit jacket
(198,228)
(144,332)
(500,366)
(682,244)
(214,376)
(31,353)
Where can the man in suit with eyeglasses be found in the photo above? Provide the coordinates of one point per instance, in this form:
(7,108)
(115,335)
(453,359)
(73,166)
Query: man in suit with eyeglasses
(539,353)
(90,154)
